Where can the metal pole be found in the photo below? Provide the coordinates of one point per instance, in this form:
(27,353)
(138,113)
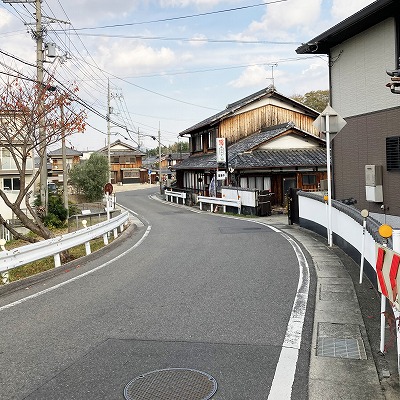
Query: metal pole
(159,155)
(383,316)
(328,167)
(363,250)
(396,311)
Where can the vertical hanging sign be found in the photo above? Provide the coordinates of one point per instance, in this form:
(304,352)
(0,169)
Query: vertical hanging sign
(221,150)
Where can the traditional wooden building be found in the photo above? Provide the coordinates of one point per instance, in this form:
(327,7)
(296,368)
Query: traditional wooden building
(272,146)
(125,163)
(73,157)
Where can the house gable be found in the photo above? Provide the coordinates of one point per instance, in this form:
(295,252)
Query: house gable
(248,116)
(289,141)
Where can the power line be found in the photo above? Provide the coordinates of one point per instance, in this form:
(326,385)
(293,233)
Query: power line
(183,16)
(185,39)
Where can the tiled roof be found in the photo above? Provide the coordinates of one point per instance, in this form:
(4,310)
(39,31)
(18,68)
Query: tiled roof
(68,152)
(238,151)
(128,148)
(312,157)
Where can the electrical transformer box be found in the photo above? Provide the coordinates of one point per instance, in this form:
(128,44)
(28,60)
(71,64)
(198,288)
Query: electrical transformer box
(374,183)
(373,175)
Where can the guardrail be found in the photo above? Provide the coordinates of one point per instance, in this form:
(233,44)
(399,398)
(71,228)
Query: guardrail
(175,195)
(10,259)
(219,201)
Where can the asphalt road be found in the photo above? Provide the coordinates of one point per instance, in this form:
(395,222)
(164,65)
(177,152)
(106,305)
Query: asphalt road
(186,290)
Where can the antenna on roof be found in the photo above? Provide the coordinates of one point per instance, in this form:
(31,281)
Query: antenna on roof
(272,74)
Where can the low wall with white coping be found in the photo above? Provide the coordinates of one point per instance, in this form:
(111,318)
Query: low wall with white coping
(347,228)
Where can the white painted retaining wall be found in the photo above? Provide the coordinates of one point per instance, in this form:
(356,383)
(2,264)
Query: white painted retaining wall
(343,225)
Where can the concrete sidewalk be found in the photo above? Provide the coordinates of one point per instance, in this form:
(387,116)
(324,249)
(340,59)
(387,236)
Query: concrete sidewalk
(345,363)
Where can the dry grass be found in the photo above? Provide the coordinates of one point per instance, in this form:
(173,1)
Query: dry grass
(48,263)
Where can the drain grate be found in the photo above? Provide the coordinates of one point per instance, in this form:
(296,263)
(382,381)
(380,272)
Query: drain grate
(341,348)
(171,384)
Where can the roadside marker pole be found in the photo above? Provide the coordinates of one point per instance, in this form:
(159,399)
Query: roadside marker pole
(364,214)
(386,232)
(396,306)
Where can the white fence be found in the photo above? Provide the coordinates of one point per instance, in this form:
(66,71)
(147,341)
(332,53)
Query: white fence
(10,259)
(170,195)
(218,201)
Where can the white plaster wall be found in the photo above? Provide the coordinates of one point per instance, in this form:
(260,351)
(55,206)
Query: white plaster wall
(289,142)
(268,101)
(358,71)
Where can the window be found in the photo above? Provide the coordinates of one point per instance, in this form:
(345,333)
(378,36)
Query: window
(309,180)
(393,153)
(198,143)
(131,174)
(212,137)
(11,184)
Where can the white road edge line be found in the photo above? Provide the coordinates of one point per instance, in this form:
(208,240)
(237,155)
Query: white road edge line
(79,276)
(285,371)
(282,384)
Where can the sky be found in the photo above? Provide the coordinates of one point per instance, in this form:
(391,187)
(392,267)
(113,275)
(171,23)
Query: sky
(169,63)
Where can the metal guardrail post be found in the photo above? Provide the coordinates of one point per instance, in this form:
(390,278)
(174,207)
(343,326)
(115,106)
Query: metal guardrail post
(5,277)
(57,260)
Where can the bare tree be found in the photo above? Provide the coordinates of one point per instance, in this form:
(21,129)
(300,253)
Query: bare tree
(24,105)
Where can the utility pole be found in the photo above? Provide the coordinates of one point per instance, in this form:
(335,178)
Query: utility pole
(64,162)
(159,156)
(108,129)
(41,92)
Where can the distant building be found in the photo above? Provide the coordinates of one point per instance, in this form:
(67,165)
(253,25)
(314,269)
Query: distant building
(126,163)
(73,157)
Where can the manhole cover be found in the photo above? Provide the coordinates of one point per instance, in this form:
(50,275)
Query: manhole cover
(171,384)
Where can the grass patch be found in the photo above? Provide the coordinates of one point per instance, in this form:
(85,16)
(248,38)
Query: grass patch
(47,263)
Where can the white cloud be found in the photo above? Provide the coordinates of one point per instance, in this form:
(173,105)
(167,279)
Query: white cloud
(5,18)
(342,9)
(198,40)
(187,3)
(281,18)
(136,59)
(252,76)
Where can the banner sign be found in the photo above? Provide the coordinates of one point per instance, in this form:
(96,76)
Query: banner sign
(221,150)
(387,271)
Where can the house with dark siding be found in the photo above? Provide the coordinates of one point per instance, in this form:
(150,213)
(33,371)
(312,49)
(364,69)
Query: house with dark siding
(360,50)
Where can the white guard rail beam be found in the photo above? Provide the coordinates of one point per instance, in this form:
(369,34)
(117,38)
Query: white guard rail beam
(10,259)
(176,195)
(219,201)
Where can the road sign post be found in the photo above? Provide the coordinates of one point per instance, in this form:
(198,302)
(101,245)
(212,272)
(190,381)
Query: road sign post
(329,122)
